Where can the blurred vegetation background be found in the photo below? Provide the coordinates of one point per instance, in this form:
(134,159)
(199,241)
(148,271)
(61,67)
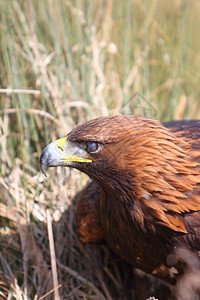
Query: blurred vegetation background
(65,62)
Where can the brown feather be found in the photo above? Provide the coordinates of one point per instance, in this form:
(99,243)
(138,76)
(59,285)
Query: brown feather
(146,188)
(87,218)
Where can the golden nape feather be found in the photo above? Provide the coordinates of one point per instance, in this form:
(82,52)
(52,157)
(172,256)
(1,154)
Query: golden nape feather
(144,198)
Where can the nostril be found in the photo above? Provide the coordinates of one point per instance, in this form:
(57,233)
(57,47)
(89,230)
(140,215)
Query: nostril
(60,148)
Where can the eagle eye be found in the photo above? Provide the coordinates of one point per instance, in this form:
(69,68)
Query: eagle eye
(93,147)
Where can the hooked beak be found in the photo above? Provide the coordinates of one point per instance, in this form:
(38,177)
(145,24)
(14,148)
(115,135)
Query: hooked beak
(62,153)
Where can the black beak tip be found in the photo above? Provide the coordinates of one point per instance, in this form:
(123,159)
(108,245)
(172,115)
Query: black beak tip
(43,162)
(44,172)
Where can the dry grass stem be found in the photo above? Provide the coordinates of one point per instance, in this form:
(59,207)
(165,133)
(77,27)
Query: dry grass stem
(50,292)
(82,279)
(52,255)
(18,91)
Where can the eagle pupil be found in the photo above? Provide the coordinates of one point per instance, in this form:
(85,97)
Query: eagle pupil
(92,147)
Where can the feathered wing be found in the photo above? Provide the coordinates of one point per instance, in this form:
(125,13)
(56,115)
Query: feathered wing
(190,132)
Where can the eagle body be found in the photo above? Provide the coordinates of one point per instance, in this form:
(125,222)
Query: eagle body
(144,198)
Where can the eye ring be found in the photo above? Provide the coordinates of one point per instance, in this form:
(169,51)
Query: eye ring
(93,147)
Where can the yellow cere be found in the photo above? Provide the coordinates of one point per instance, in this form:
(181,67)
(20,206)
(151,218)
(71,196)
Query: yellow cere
(60,143)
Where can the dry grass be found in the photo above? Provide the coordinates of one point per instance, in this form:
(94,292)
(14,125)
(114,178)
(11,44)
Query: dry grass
(64,62)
